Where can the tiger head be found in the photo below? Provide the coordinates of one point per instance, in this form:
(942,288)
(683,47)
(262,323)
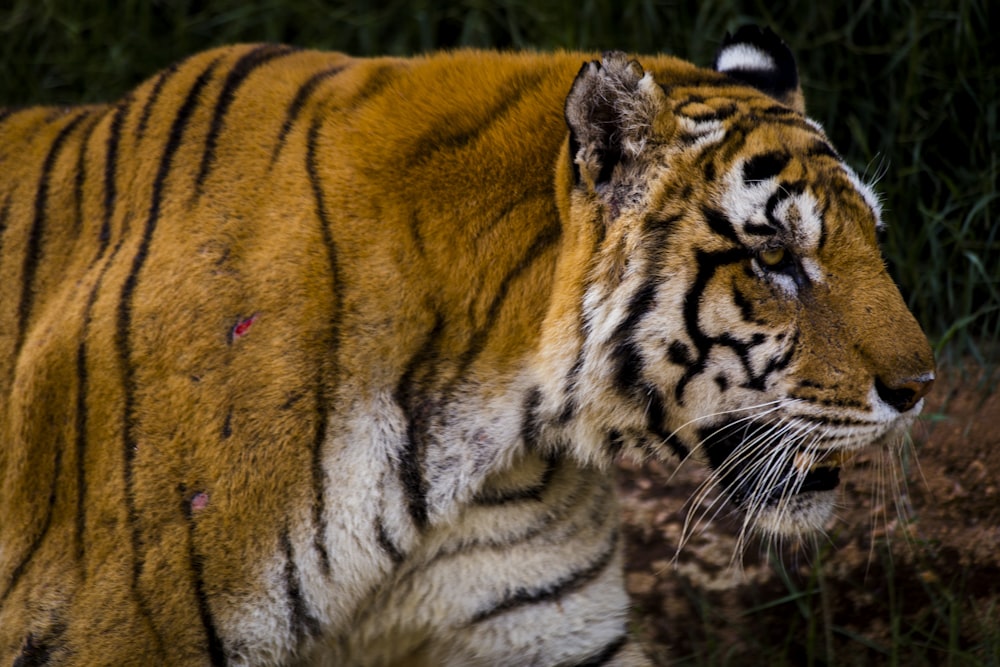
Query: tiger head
(725,292)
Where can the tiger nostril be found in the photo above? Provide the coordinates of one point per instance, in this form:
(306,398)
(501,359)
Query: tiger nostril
(903,395)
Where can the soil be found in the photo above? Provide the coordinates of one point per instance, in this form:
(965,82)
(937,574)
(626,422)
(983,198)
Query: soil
(905,577)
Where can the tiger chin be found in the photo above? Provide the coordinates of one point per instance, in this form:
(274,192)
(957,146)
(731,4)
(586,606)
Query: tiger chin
(308,359)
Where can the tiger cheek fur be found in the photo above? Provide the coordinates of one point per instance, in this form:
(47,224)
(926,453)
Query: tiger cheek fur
(313,359)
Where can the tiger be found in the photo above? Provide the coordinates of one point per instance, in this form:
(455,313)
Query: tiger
(315,359)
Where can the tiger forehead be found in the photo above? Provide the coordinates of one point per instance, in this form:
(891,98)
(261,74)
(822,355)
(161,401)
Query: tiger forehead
(736,104)
(788,159)
(775,185)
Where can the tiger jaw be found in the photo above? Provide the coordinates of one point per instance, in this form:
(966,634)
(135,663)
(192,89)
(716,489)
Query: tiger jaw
(783,487)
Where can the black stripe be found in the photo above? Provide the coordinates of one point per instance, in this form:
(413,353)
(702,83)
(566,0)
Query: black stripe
(569,386)
(742,348)
(627,355)
(530,424)
(735,142)
(708,263)
(376,83)
(508,208)
(81,175)
(239,72)
(530,433)
(658,230)
(708,173)
(628,365)
(656,419)
(33,253)
(154,96)
(535,492)
(720,114)
(521,597)
(37,651)
(216,649)
(746,309)
(418,417)
(124,325)
(34,653)
(784,191)
(448,137)
(300,621)
(764,166)
(322,402)
(779,110)
(384,541)
(541,523)
(823,233)
(545,239)
(319,480)
(781,362)
(110,172)
(36,542)
(614,442)
(82,388)
(417,235)
(82,414)
(820,148)
(700,78)
(295,108)
(759,229)
(820,419)
(719,223)
(380,77)
(748,123)
(606,654)
(4,219)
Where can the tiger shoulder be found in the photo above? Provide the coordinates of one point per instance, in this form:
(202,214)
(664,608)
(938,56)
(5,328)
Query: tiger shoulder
(311,359)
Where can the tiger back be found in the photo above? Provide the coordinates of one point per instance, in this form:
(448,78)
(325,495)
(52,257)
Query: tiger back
(314,359)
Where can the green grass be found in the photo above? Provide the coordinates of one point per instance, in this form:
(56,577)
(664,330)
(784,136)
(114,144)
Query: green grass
(907,90)
(894,613)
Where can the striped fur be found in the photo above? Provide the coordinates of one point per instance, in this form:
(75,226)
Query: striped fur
(312,359)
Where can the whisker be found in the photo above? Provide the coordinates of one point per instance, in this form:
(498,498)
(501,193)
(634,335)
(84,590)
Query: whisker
(773,405)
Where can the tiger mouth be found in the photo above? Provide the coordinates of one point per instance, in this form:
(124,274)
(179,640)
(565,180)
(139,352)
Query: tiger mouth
(748,478)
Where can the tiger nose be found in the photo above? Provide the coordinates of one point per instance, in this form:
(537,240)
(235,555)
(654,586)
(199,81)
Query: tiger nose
(904,394)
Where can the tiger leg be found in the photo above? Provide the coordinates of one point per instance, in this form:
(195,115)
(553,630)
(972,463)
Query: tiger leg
(587,626)
(521,577)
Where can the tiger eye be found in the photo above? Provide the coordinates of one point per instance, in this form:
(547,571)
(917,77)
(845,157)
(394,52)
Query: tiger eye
(772,256)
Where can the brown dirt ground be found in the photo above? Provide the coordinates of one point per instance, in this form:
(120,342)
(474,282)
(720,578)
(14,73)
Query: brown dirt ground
(881,589)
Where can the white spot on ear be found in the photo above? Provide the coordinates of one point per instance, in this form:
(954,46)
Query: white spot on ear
(745,57)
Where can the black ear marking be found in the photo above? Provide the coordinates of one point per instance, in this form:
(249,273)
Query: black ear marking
(759,58)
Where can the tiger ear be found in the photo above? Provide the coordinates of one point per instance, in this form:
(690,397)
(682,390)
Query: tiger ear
(759,58)
(610,110)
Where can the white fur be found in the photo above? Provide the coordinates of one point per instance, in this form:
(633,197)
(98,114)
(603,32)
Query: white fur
(745,57)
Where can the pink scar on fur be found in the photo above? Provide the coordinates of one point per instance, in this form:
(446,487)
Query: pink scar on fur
(199,501)
(242,327)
